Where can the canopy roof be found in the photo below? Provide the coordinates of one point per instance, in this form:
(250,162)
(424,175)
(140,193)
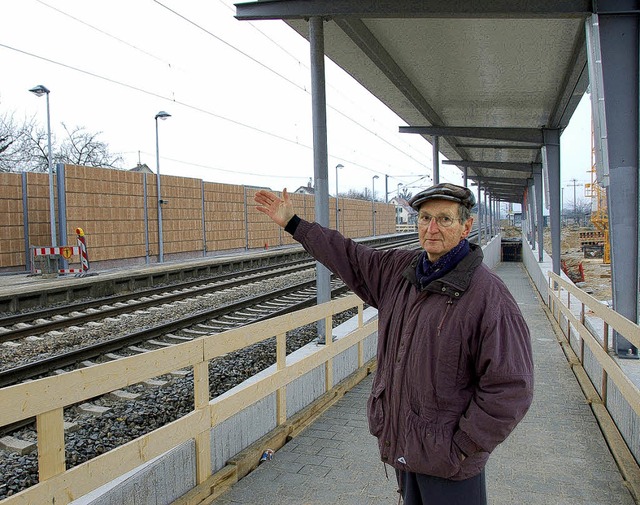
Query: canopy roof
(490,74)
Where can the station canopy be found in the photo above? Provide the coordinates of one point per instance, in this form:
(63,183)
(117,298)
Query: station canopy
(486,77)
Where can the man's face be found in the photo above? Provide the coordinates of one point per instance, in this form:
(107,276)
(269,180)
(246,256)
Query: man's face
(435,238)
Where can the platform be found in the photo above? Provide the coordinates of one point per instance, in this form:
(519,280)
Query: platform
(557,454)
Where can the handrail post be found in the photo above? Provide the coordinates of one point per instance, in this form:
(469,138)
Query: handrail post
(202,439)
(281,363)
(328,340)
(51,455)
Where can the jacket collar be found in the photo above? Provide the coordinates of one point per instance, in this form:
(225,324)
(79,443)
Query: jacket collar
(453,283)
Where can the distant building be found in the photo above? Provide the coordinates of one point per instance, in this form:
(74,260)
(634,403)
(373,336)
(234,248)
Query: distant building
(142,167)
(306,190)
(404,212)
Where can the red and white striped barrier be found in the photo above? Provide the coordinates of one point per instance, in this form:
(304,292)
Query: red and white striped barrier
(66,252)
(82,244)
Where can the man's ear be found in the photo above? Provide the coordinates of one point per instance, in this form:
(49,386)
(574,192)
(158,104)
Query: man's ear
(467,227)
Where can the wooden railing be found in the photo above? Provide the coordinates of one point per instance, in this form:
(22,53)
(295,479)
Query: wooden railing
(406,228)
(561,290)
(46,398)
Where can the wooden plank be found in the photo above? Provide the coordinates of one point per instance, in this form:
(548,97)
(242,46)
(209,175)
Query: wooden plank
(42,395)
(627,388)
(281,363)
(51,458)
(78,481)
(203,455)
(621,324)
(201,384)
(226,405)
(202,439)
(237,338)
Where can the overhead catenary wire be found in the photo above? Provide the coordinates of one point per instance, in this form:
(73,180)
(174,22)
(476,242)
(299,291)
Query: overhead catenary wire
(293,83)
(195,107)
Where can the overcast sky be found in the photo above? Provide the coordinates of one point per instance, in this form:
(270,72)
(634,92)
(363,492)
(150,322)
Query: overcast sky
(238,93)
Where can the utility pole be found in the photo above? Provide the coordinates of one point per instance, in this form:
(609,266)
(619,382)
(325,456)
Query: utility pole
(575,184)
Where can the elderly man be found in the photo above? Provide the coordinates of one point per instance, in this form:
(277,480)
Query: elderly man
(455,372)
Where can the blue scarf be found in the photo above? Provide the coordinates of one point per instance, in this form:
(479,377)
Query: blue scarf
(427,271)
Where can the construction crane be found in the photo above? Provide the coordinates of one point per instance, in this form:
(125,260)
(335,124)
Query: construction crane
(599,213)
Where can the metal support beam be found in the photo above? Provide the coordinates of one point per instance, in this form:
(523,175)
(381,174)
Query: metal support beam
(436,160)
(501,165)
(511,182)
(303,9)
(490,213)
(479,218)
(619,38)
(498,146)
(537,185)
(531,214)
(551,154)
(320,158)
(532,135)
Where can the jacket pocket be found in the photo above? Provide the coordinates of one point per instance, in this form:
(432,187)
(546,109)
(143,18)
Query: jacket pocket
(429,448)
(375,409)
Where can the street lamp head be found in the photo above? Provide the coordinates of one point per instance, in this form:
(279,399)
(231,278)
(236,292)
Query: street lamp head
(162,115)
(339,165)
(375,177)
(39,90)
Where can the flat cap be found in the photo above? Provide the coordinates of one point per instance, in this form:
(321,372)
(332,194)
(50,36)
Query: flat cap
(444,191)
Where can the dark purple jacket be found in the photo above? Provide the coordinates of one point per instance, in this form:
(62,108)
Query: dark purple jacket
(455,371)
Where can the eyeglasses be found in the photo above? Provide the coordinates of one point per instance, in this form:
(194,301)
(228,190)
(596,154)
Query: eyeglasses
(443,221)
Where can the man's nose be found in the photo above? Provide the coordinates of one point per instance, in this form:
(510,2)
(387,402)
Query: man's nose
(433,226)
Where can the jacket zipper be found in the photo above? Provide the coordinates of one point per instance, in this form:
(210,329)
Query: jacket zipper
(449,304)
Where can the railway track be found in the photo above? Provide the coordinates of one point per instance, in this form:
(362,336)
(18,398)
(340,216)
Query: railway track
(17,326)
(208,322)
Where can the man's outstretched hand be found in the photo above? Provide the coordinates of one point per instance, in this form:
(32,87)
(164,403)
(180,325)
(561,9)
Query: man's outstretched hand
(278,209)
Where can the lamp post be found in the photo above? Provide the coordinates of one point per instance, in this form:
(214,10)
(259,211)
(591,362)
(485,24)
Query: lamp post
(373,202)
(162,115)
(338,166)
(40,90)
(398,221)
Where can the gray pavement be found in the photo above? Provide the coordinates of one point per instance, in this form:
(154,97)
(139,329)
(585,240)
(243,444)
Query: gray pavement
(556,456)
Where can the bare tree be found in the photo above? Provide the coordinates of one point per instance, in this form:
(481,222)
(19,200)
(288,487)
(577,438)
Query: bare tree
(19,151)
(82,147)
(359,195)
(579,213)
(405,193)
(24,147)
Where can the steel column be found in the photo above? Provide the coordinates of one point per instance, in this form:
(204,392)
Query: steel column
(537,184)
(479,218)
(320,157)
(619,38)
(25,222)
(551,155)
(436,159)
(63,263)
(146,218)
(531,213)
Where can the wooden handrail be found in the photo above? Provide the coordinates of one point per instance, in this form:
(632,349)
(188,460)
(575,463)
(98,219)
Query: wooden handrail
(612,319)
(45,398)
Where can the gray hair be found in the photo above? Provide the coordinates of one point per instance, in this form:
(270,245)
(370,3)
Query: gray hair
(463,213)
